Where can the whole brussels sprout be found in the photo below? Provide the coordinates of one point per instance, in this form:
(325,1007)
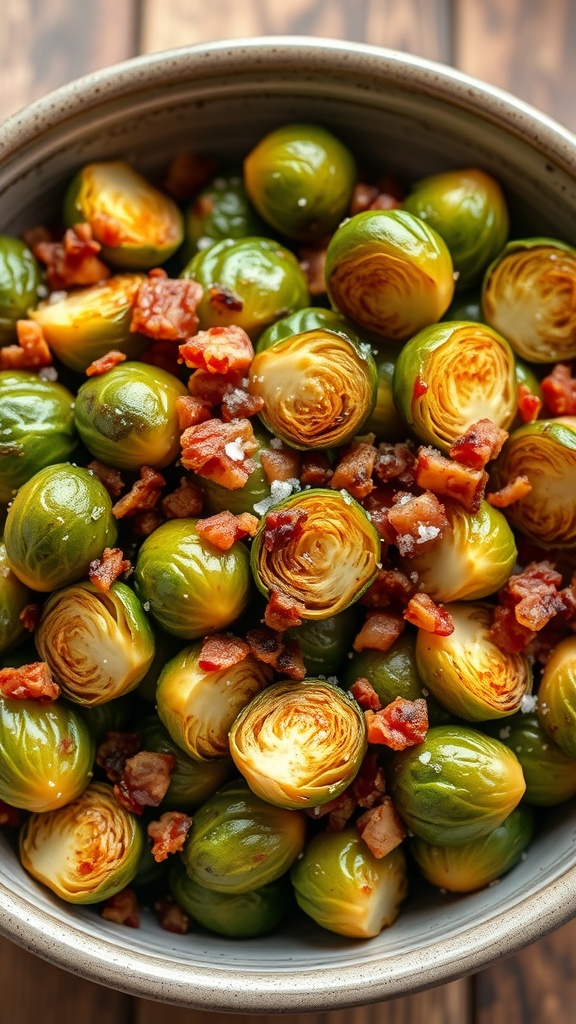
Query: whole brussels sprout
(311,318)
(325,643)
(389,272)
(14,596)
(192,782)
(84,852)
(59,522)
(239,843)
(449,376)
(190,587)
(455,786)
(557,696)
(150,871)
(240,915)
(341,885)
(475,864)
(385,421)
(550,774)
(116,715)
(138,226)
(220,210)
(19,281)
(47,754)
(300,179)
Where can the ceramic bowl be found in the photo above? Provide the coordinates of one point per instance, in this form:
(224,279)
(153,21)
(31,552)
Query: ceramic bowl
(395,112)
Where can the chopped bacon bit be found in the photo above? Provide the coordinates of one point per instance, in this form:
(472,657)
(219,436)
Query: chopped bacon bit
(30,616)
(544,642)
(105,363)
(109,477)
(220,451)
(507,633)
(451,479)
(171,917)
(423,612)
(66,745)
(337,811)
(529,404)
(385,201)
(33,236)
(10,816)
(420,388)
(186,501)
(164,355)
(362,196)
(533,594)
(221,651)
(144,781)
(313,265)
(479,445)
(224,300)
(210,387)
(191,411)
(315,470)
(379,631)
(517,489)
(237,404)
(353,472)
(169,834)
(165,309)
(223,350)
(366,695)
(31,352)
(391,587)
(569,598)
(74,260)
(283,655)
(401,724)
(283,612)
(224,529)
(144,523)
(28,682)
(280,463)
(396,462)
(559,391)
(369,785)
(142,496)
(187,173)
(114,750)
(122,908)
(381,828)
(284,527)
(418,521)
(105,570)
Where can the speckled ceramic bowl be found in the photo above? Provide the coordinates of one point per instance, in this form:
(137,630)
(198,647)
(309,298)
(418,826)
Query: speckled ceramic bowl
(397,112)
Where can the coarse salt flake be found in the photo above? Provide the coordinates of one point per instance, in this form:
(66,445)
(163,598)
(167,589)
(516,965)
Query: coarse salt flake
(425,757)
(528,703)
(234,450)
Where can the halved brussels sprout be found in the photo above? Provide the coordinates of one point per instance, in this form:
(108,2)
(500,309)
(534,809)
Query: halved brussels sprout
(47,754)
(86,323)
(389,272)
(451,375)
(220,210)
(475,864)
(455,786)
(85,852)
(474,557)
(199,707)
(192,782)
(138,226)
(14,596)
(36,427)
(59,522)
(557,696)
(19,280)
(311,318)
(549,773)
(325,643)
(330,564)
(190,587)
(344,888)
(467,671)
(239,843)
(467,208)
(385,421)
(299,744)
(250,282)
(127,417)
(300,178)
(240,915)
(318,388)
(528,296)
(97,644)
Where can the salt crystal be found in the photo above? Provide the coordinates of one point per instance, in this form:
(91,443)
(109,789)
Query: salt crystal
(427,533)
(425,757)
(504,733)
(234,450)
(528,703)
(48,373)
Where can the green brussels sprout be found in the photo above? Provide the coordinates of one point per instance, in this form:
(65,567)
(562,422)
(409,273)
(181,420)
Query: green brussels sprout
(220,210)
(14,596)
(250,282)
(192,782)
(528,296)
(341,885)
(19,281)
(389,272)
(311,318)
(149,871)
(330,564)
(300,179)
(47,754)
(190,587)
(475,864)
(115,716)
(198,707)
(549,773)
(165,648)
(557,696)
(127,417)
(84,852)
(97,644)
(86,323)
(385,421)
(59,522)
(325,643)
(239,843)
(299,744)
(473,558)
(467,208)
(467,671)
(449,376)
(138,226)
(455,786)
(240,915)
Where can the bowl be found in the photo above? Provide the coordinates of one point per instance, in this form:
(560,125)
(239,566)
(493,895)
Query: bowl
(399,113)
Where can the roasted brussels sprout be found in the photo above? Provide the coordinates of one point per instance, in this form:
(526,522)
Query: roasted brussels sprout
(59,522)
(190,587)
(557,696)
(47,754)
(240,915)
(549,773)
(127,417)
(299,744)
(467,208)
(221,210)
(325,643)
(97,644)
(385,421)
(300,179)
(150,871)
(456,786)
(115,716)
(467,671)
(138,226)
(198,707)
(475,864)
(86,323)
(344,888)
(389,272)
(239,843)
(449,376)
(528,296)
(19,280)
(14,596)
(311,318)
(330,564)
(166,647)
(250,282)
(85,852)
(192,782)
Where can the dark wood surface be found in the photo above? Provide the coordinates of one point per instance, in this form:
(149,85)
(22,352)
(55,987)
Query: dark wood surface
(525,46)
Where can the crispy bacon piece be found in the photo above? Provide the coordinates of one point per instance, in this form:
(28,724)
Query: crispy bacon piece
(222,350)
(220,451)
(144,523)
(362,196)
(533,593)
(33,236)
(237,404)
(10,816)
(479,445)
(209,387)
(224,300)
(315,470)
(280,463)
(283,655)
(517,489)
(74,260)
(122,908)
(559,391)
(31,352)
(451,479)
(187,173)
(165,309)
(221,651)
(105,363)
(529,404)
(366,695)
(507,633)
(385,201)
(312,260)
(377,504)
(114,750)
(142,496)
(401,724)
(337,811)
(171,917)
(224,529)
(423,612)
(283,612)
(418,521)
(379,631)
(191,411)
(169,834)
(164,355)
(353,472)
(30,616)
(391,587)
(186,501)
(381,828)
(105,570)
(369,785)
(283,527)
(28,682)
(396,462)
(108,476)
(144,781)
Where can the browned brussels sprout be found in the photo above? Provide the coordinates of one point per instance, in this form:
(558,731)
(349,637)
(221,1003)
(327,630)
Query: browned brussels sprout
(557,696)
(241,915)
(19,281)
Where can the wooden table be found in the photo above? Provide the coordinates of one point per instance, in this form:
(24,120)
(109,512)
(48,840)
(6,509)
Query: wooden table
(525,46)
